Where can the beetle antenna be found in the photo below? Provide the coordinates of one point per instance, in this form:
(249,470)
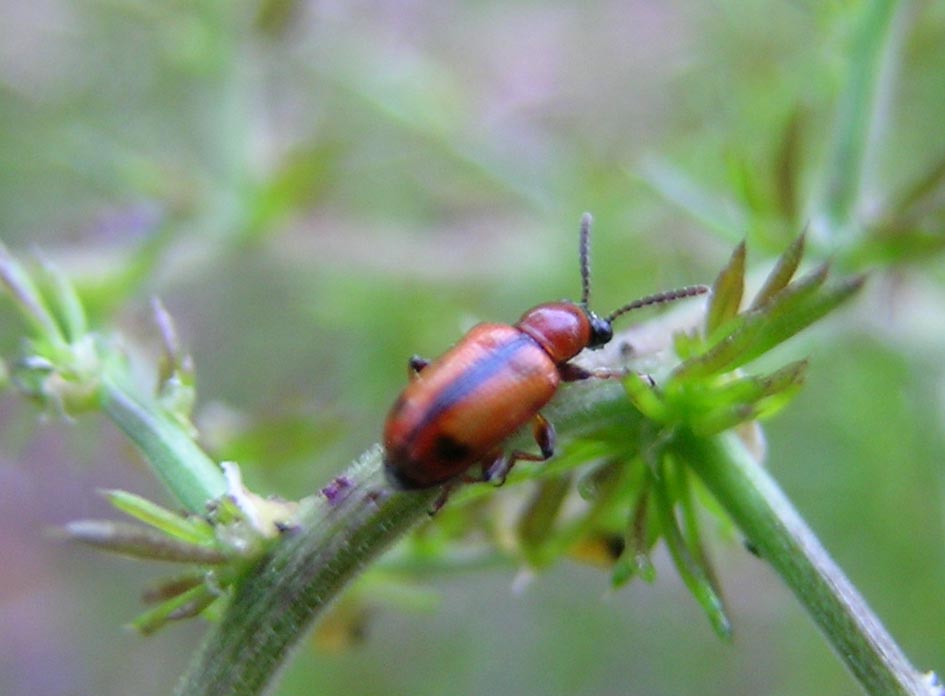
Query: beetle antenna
(586,221)
(659,298)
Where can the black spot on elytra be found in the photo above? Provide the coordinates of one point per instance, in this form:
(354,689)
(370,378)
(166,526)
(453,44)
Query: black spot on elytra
(449,449)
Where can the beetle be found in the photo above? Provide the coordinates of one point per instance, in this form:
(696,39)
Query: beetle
(459,409)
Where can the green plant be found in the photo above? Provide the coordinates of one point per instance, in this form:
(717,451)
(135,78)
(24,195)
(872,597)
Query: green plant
(640,465)
(640,458)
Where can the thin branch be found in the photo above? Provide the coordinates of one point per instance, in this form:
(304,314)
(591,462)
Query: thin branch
(782,538)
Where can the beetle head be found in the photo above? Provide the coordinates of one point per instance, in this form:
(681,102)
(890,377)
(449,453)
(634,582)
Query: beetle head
(602,330)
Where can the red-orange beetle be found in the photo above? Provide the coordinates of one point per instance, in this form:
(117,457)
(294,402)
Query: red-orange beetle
(458,410)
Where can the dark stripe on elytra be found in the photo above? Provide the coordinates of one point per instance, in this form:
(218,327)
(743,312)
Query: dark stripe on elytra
(472,378)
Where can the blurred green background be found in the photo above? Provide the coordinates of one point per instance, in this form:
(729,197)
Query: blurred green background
(318,190)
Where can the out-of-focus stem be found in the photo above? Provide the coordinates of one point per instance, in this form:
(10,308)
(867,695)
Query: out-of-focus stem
(782,538)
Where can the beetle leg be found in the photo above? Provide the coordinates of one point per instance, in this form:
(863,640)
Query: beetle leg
(442,497)
(572,373)
(544,433)
(545,436)
(415,364)
(497,469)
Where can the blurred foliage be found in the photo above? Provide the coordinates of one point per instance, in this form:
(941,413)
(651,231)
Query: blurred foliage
(319,190)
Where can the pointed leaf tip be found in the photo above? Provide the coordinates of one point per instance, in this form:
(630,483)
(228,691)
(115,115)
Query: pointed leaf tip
(137,541)
(727,291)
(784,269)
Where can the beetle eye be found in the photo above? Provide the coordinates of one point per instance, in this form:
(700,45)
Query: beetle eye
(601,332)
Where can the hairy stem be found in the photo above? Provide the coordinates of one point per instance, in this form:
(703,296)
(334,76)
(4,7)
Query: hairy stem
(357,516)
(353,520)
(782,538)
(849,145)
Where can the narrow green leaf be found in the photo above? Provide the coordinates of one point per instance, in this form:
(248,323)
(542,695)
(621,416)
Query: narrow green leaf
(297,184)
(922,188)
(800,311)
(796,293)
(184,606)
(176,392)
(715,211)
(770,405)
(589,484)
(537,521)
(582,537)
(623,571)
(192,477)
(786,166)
(635,559)
(645,398)
(749,389)
(693,575)
(719,420)
(139,542)
(687,344)
(757,331)
(745,399)
(890,246)
(28,299)
(745,181)
(65,303)
(173,587)
(781,274)
(195,530)
(726,297)
(173,357)
(693,530)
(724,353)
(849,142)
(736,336)
(787,377)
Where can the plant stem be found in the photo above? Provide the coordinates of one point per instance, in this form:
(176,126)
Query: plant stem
(358,516)
(782,538)
(849,144)
(352,521)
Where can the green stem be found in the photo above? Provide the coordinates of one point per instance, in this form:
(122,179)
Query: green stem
(352,521)
(856,111)
(347,527)
(360,516)
(192,477)
(782,538)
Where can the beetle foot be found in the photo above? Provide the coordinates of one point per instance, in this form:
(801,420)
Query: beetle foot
(498,470)
(441,498)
